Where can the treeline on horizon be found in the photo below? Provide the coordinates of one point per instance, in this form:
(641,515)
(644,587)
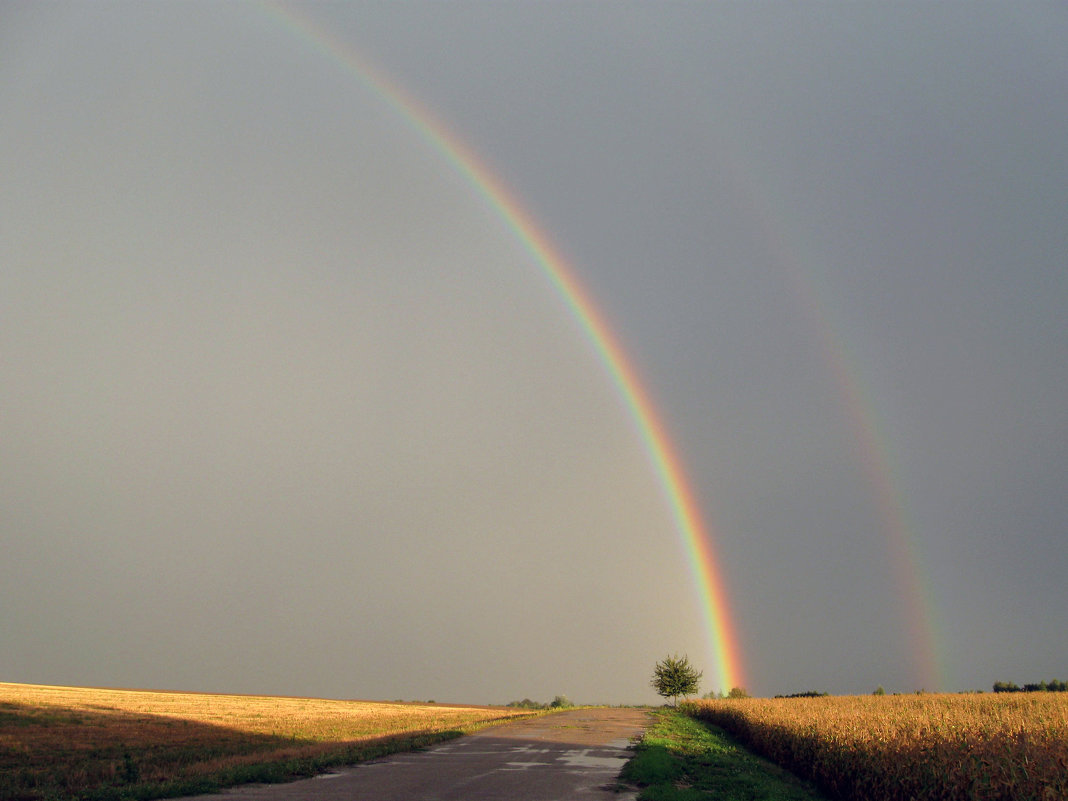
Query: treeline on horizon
(559,702)
(1052,686)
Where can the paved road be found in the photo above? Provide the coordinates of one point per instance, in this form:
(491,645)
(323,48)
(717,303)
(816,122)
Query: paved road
(568,755)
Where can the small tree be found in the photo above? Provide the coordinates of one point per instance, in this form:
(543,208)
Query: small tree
(673,677)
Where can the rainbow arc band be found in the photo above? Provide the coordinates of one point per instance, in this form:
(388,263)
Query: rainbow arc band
(695,534)
(788,245)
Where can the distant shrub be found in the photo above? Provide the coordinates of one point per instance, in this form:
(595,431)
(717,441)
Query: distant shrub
(1006,687)
(559,702)
(806,694)
(526,703)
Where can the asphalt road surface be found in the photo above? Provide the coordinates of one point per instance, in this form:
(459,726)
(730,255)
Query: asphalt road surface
(567,755)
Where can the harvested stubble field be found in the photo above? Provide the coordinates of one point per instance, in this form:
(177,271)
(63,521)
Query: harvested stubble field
(924,747)
(61,743)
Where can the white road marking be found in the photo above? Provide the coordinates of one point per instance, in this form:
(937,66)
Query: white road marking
(582,759)
(525,765)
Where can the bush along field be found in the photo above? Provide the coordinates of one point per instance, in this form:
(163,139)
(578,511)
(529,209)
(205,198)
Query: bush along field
(63,743)
(974,747)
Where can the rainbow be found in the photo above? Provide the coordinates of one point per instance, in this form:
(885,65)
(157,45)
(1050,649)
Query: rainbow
(876,461)
(788,250)
(694,532)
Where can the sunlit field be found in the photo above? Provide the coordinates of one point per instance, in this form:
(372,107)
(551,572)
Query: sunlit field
(67,743)
(886,748)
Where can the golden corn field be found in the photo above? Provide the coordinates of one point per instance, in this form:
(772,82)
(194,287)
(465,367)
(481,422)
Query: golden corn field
(93,745)
(1011,746)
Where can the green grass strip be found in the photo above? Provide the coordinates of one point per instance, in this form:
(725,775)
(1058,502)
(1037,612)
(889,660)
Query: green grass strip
(681,759)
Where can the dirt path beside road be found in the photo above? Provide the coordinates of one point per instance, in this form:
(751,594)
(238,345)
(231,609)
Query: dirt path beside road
(575,754)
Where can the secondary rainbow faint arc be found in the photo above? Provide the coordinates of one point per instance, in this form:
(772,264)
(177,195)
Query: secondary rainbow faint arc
(755,186)
(693,531)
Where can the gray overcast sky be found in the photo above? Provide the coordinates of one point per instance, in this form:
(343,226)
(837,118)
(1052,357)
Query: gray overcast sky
(286,408)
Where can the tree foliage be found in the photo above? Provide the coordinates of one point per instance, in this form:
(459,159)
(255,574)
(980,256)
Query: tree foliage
(674,676)
(1054,686)
(559,702)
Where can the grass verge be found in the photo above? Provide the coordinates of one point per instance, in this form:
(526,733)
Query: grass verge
(681,759)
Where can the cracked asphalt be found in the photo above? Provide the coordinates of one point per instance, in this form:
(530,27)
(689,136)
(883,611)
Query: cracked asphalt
(575,754)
